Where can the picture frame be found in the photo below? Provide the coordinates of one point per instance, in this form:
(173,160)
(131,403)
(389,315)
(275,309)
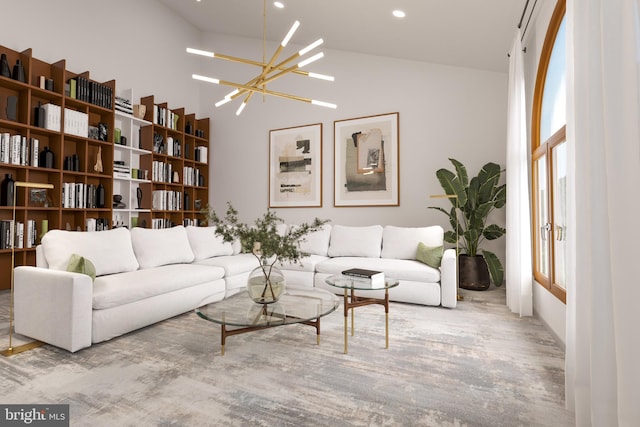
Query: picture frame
(39,198)
(295,167)
(367,170)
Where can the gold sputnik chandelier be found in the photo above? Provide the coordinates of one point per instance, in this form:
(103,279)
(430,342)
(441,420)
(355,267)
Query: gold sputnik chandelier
(270,71)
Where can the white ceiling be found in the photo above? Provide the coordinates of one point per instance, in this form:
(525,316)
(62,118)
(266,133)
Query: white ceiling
(467,33)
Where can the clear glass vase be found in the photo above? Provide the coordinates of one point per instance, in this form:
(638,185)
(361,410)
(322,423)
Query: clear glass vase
(265,284)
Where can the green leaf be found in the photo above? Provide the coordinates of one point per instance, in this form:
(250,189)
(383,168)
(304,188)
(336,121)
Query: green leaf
(493,231)
(496,270)
(450,237)
(500,196)
(452,186)
(461,171)
(472,196)
(488,176)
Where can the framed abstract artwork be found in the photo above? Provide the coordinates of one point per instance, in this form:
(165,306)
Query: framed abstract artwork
(295,167)
(366,161)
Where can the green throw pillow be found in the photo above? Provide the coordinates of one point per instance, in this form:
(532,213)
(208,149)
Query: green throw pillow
(79,264)
(430,255)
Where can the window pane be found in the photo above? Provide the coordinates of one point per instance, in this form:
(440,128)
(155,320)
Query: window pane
(554,98)
(559,157)
(542,217)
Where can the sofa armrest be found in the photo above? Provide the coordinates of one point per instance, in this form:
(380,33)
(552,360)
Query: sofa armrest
(449,279)
(53,306)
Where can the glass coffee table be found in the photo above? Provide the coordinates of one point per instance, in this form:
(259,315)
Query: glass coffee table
(238,314)
(351,300)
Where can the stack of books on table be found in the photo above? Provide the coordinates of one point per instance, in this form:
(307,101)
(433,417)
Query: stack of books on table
(367,278)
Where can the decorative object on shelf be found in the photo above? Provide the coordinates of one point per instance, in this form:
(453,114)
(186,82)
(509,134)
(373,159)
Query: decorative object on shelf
(366,153)
(197,204)
(139,111)
(103,132)
(5,71)
(7,191)
(139,197)
(47,158)
(186,199)
(267,244)
(38,116)
(18,72)
(12,107)
(118,203)
(187,128)
(11,350)
(100,196)
(295,167)
(176,177)
(269,71)
(39,197)
(476,199)
(44,228)
(72,163)
(98,166)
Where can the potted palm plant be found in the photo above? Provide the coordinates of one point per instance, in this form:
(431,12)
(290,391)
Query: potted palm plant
(263,240)
(474,200)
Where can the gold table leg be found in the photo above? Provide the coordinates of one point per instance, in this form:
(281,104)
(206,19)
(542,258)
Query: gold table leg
(386,317)
(346,321)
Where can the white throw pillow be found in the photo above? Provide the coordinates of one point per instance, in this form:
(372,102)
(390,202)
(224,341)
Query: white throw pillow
(156,247)
(317,242)
(205,243)
(402,242)
(356,241)
(110,251)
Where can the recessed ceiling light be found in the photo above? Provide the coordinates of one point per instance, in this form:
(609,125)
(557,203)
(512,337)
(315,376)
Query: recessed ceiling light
(278,4)
(399,14)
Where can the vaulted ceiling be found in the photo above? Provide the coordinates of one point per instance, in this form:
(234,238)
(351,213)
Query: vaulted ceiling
(466,33)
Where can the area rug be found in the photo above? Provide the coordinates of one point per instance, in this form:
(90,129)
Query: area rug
(476,365)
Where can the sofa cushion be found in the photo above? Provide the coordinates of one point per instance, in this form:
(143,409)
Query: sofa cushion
(80,264)
(307,263)
(356,241)
(232,264)
(156,247)
(118,289)
(110,251)
(205,243)
(401,269)
(402,242)
(430,255)
(317,242)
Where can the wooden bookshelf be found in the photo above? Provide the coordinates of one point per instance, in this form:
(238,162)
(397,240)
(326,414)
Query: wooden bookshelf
(99,112)
(189,173)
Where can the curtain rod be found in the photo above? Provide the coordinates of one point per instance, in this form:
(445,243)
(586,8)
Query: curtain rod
(524,12)
(528,19)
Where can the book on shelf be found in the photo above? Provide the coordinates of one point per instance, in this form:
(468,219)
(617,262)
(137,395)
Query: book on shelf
(372,278)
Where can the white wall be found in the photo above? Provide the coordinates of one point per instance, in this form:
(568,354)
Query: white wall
(546,306)
(444,112)
(140,43)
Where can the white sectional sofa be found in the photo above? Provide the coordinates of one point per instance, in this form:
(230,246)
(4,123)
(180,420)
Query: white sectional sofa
(144,276)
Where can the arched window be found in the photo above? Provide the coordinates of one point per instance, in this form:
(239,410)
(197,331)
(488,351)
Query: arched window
(549,159)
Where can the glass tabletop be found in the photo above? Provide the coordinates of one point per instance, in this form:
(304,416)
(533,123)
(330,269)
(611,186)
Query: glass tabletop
(344,282)
(294,306)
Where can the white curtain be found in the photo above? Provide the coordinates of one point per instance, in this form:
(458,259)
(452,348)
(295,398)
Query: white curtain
(603,136)
(518,270)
